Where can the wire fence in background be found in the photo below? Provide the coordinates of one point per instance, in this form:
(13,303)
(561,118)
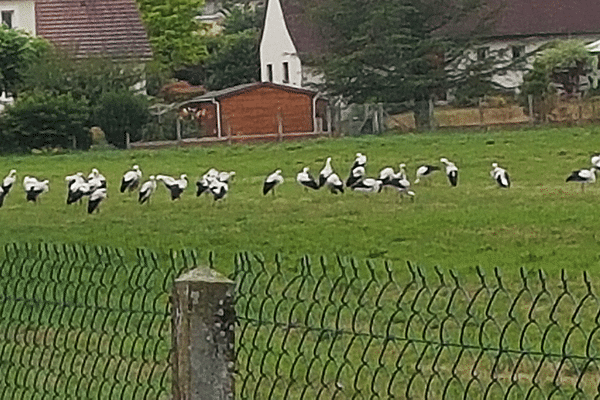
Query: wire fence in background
(351,331)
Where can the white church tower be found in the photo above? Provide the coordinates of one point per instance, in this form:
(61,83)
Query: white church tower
(279,61)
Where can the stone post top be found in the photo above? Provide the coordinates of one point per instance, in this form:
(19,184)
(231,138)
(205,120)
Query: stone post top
(203,274)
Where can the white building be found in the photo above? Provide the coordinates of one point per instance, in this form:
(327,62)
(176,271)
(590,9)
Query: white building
(518,27)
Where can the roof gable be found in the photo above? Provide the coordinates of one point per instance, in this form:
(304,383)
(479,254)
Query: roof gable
(94,27)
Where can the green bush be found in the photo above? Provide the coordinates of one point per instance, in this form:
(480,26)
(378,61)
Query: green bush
(41,120)
(119,114)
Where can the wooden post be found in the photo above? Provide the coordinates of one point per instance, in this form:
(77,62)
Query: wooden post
(203,318)
(329,119)
(431,115)
(179,129)
(530,103)
(127,140)
(481,116)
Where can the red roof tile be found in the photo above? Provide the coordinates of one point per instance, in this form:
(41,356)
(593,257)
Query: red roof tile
(94,27)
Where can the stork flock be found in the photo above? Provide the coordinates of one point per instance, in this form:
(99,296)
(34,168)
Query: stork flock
(216,182)
(357,181)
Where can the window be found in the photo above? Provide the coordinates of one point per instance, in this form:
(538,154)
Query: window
(270,72)
(517,51)
(286,72)
(7,18)
(482,53)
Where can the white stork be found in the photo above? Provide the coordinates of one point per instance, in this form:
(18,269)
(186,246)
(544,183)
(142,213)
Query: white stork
(225,176)
(500,176)
(355,176)
(79,189)
(34,188)
(360,161)
(9,180)
(75,178)
(131,179)
(451,171)
(325,172)
(424,171)
(7,184)
(147,189)
(175,186)
(306,179)
(368,185)
(583,176)
(95,199)
(218,189)
(271,181)
(96,180)
(334,183)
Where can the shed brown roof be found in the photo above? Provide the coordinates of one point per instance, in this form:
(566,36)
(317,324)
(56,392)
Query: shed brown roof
(94,27)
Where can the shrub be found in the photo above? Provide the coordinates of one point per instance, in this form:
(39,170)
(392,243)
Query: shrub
(119,114)
(41,120)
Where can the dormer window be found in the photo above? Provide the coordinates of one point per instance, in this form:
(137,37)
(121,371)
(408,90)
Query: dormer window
(286,72)
(270,72)
(7,18)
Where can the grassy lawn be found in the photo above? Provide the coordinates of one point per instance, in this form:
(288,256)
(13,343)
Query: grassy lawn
(541,222)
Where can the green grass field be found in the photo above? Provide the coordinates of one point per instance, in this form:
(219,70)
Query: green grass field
(541,222)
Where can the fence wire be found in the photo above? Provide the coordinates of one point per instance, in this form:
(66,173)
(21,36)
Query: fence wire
(354,331)
(82,322)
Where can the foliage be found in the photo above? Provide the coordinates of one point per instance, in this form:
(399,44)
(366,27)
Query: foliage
(43,120)
(233,56)
(560,65)
(401,51)
(233,61)
(173,32)
(119,114)
(18,50)
(87,79)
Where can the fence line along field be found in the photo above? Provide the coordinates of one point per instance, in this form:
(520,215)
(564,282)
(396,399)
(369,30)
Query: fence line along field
(540,222)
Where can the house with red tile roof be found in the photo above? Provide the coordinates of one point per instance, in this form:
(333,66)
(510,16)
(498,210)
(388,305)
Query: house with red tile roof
(518,27)
(87,27)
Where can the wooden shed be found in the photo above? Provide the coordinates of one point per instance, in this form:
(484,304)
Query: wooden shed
(259,110)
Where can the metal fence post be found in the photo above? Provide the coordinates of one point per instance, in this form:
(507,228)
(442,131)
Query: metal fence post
(203,336)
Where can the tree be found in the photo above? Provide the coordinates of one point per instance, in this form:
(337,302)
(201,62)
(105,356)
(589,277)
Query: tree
(561,65)
(18,50)
(58,72)
(42,120)
(173,32)
(233,56)
(120,114)
(393,50)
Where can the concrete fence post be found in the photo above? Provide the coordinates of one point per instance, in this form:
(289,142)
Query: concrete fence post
(203,318)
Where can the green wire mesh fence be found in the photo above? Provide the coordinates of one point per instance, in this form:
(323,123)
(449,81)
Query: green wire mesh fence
(82,322)
(353,331)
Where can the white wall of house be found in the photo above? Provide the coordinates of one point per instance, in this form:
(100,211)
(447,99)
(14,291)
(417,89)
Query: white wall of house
(23,14)
(279,61)
(513,78)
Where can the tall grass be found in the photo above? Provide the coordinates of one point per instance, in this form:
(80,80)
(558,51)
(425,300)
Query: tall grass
(540,222)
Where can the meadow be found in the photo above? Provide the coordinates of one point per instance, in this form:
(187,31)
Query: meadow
(541,222)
